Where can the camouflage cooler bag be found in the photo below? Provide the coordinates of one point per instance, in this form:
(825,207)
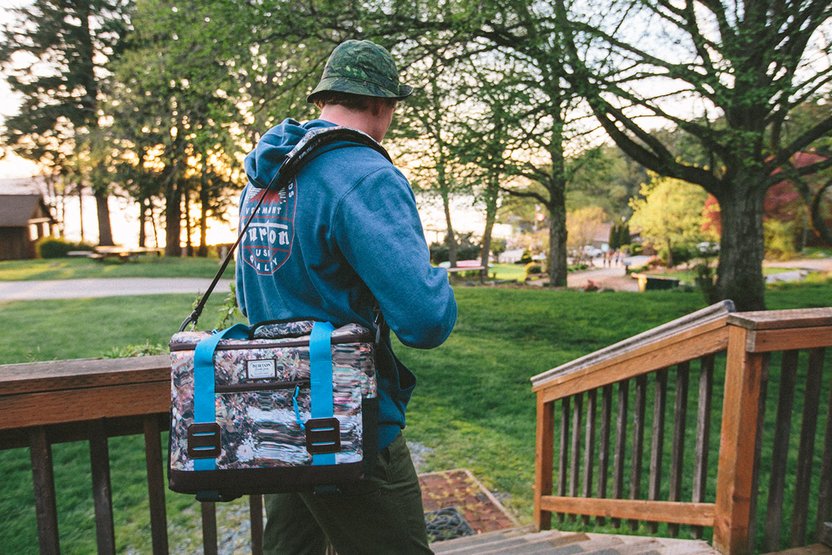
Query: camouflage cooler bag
(276,407)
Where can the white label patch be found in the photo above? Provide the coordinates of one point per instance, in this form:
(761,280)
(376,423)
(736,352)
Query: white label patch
(260,369)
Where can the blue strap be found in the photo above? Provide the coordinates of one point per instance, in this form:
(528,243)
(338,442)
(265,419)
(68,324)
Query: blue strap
(205,410)
(320,369)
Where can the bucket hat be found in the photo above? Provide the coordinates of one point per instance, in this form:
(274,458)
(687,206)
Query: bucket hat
(361,67)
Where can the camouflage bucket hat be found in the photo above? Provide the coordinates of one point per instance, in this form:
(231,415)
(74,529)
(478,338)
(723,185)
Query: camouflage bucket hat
(361,67)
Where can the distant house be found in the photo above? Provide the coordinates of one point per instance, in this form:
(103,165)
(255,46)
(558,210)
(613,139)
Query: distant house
(24,218)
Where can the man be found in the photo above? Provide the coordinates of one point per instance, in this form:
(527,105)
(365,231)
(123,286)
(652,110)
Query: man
(347,235)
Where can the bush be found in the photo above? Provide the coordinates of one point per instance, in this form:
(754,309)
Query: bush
(55,247)
(533,268)
(780,239)
(439,252)
(526,257)
(681,254)
(705,279)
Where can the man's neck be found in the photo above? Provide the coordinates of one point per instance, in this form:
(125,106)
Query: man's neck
(362,121)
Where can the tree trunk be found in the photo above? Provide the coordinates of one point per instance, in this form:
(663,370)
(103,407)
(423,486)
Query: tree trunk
(173,220)
(142,222)
(740,270)
(81,211)
(105,231)
(556,259)
(204,202)
(189,246)
(491,195)
(450,237)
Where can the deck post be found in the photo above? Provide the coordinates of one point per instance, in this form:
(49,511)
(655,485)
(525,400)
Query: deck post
(544,461)
(735,477)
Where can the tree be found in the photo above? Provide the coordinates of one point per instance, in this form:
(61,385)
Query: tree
(54,54)
(432,115)
(175,112)
(583,224)
(669,214)
(605,177)
(742,67)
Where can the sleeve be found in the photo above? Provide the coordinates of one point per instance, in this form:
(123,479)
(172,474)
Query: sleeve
(377,228)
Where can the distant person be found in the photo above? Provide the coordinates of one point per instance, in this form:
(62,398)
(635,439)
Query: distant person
(346,235)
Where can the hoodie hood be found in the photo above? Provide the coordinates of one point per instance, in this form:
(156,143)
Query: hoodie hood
(263,163)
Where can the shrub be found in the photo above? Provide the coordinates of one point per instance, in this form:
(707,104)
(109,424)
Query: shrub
(705,279)
(526,257)
(55,247)
(780,239)
(439,252)
(681,254)
(534,268)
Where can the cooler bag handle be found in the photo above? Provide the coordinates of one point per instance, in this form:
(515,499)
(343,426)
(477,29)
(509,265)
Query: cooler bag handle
(323,434)
(204,433)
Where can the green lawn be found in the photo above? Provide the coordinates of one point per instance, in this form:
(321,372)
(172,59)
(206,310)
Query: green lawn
(76,268)
(473,407)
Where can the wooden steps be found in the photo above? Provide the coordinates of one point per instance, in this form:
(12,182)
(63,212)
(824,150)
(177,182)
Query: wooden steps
(525,541)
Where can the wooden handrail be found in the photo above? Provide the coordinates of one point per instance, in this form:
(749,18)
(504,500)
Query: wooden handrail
(698,334)
(93,399)
(748,339)
(60,392)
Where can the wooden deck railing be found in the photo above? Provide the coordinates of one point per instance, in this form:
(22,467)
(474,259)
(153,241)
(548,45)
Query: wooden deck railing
(93,400)
(730,360)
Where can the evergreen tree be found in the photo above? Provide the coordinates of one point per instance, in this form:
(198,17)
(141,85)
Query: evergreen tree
(54,54)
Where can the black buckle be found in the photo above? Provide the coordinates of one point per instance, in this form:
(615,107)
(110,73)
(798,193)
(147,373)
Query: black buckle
(323,435)
(204,441)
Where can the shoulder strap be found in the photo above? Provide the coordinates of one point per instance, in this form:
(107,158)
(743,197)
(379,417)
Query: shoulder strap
(307,149)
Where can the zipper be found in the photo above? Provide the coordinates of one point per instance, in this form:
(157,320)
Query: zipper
(260,386)
(249,346)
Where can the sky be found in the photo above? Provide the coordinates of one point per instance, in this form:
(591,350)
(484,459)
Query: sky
(11,165)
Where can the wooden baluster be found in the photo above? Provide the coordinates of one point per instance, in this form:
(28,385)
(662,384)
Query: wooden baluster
(101,487)
(620,444)
(589,446)
(209,527)
(255,507)
(780,451)
(44,485)
(743,382)
(703,433)
(155,484)
(824,514)
(677,454)
(564,450)
(758,451)
(604,451)
(657,443)
(807,446)
(638,442)
(544,462)
(574,471)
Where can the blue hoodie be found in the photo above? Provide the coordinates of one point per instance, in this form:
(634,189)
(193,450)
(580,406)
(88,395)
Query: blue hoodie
(345,233)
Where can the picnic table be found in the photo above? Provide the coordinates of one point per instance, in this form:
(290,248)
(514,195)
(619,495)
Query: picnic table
(123,254)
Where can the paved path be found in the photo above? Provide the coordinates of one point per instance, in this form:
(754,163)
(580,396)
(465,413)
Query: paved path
(84,288)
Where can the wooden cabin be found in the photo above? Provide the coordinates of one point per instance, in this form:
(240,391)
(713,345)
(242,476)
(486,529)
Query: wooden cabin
(24,218)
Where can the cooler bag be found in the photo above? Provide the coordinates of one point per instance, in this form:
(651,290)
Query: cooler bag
(273,408)
(278,406)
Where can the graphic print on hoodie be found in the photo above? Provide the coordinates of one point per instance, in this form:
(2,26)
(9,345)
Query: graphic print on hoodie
(269,238)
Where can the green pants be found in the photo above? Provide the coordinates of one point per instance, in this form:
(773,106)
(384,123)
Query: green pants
(379,515)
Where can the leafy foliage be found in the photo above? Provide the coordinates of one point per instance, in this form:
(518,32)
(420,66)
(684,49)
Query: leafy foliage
(669,214)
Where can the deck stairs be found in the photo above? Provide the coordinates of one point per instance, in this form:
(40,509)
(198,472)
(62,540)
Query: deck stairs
(525,541)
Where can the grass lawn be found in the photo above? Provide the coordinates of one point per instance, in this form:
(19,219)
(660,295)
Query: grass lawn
(77,268)
(473,407)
